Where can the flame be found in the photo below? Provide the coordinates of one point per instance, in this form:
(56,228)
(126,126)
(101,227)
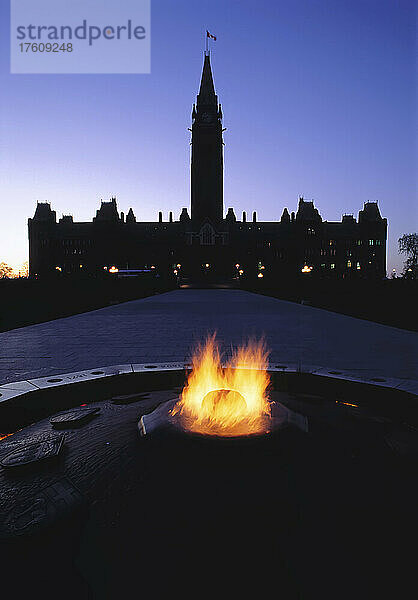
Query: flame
(226,401)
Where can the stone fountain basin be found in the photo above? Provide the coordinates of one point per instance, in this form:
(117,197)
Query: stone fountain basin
(295,511)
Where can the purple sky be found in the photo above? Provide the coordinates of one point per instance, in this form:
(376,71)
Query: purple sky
(318,100)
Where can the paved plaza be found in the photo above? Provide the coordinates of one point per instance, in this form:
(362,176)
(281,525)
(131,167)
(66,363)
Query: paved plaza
(166,327)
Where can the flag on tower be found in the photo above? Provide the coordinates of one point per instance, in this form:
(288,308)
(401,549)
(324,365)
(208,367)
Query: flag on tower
(209,35)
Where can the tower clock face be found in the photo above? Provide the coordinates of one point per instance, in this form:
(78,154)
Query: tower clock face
(206,117)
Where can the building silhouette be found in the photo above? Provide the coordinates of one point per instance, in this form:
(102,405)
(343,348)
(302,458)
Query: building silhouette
(207,242)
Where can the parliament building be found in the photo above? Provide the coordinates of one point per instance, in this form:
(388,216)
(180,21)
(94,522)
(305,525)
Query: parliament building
(207,242)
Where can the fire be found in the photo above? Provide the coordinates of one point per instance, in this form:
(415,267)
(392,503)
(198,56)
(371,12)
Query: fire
(226,401)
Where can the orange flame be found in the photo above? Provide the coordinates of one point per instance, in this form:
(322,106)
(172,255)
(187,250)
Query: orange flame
(226,401)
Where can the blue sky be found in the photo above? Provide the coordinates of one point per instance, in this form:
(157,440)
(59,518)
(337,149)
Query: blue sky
(318,98)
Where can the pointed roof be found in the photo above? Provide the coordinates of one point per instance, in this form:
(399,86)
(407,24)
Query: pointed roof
(370,212)
(43,212)
(207,89)
(130,217)
(285,216)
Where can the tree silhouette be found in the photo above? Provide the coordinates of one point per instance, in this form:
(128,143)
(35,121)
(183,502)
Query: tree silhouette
(408,245)
(5,270)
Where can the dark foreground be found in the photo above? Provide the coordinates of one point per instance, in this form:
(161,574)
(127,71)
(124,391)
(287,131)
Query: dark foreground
(26,302)
(323,514)
(390,301)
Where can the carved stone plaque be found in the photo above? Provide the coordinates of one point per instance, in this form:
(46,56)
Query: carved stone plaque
(33,453)
(73,417)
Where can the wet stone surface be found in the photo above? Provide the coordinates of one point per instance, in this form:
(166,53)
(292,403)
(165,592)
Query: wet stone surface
(43,509)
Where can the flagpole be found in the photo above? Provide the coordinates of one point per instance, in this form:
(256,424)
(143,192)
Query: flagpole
(207,43)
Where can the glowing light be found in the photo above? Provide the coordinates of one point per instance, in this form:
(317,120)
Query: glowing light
(237,266)
(105,268)
(306,269)
(226,401)
(262,267)
(207,265)
(179,266)
(81,266)
(346,403)
(175,271)
(58,269)
(241,272)
(260,275)
(113,270)
(152,266)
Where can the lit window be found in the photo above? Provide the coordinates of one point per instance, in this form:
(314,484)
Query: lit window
(358,267)
(349,264)
(359,242)
(371,242)
(332,265)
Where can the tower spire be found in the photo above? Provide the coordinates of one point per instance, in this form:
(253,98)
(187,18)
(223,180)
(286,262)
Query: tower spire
(207,153)
(207,94)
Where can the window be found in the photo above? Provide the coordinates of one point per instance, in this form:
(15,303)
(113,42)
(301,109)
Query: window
(207,235)
(358,267)
(332,242)
(349,264)
(371,242)
(332,265)
(359,242)
(310,231)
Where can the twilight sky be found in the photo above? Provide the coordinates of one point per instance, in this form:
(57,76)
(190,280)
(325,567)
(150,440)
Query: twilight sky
(318,99)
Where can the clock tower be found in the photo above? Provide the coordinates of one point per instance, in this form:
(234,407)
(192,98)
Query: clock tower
(207,153)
